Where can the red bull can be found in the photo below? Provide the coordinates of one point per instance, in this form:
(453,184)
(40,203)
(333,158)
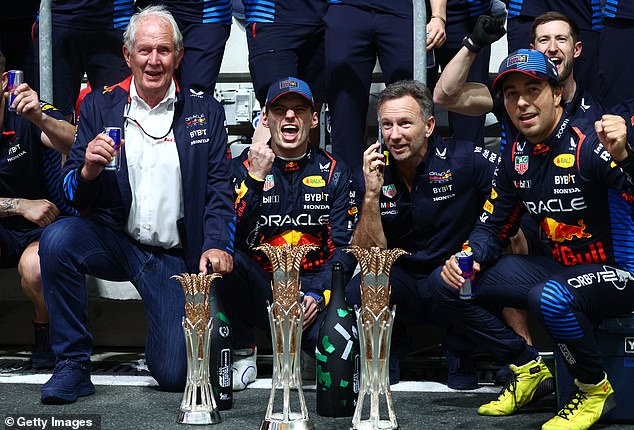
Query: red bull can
(16,78)
(465,262)
(115,134)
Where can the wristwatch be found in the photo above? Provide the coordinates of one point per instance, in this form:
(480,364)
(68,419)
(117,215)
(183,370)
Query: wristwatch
(468,43)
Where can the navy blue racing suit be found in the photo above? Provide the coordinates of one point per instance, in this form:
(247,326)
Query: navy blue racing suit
(582,201)
(305,201)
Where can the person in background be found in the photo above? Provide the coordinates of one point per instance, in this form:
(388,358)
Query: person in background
(34,137)
(357,33)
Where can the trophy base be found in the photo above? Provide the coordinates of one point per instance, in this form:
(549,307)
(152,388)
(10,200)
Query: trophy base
(383,425)
(199,417)
(299,424)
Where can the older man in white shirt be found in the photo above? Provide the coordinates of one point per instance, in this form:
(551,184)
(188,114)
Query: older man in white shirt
(167,210)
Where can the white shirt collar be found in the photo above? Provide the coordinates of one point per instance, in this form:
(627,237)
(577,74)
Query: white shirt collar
(169,99)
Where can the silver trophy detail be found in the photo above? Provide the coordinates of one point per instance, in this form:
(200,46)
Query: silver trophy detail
(286,317)
(375,321)
(198,405)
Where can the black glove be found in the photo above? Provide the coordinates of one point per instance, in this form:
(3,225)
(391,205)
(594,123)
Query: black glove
(486,30)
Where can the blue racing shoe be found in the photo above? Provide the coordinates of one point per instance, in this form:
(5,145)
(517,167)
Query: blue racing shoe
(70,380)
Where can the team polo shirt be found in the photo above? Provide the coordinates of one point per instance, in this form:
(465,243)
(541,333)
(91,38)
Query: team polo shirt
(618,9)
(529,8)
(92,14)
(433,219)
(28,169)
(586,13)
(200,11)
(459,10)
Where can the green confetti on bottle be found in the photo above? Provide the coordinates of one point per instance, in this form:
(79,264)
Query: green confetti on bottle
(323,377)
(321,357)
(343,383)
(342,313)
(223,317)
(329,347)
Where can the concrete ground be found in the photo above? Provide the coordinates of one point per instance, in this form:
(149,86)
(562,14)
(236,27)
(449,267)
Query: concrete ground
(133,402)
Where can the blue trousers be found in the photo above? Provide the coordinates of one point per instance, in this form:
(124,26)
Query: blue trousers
(204,47)
(354,38)
(415,305)
(244,294)
(96,52)
(567,300)
(74,247)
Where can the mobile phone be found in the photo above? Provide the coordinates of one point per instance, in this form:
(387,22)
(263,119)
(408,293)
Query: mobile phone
(382,147)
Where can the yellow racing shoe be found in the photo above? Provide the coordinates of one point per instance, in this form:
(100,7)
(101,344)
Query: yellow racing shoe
(530,382)
(587,405)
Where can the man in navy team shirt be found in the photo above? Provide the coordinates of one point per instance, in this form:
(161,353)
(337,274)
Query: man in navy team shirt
(424,197)
(33,138)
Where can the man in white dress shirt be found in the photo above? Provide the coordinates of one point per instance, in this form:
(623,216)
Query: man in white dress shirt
(167,210)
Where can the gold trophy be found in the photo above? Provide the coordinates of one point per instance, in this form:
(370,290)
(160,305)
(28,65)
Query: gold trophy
(375,321)
(286,317)
(198,405)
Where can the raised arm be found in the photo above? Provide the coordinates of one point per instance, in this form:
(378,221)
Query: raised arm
(369,230)
(452,90)
(57,133)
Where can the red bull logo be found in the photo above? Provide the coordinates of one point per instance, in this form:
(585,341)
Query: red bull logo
(559,232)
(293,237)
(593,253)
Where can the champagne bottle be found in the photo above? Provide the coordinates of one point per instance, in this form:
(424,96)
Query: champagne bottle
(220,360)
(337,354)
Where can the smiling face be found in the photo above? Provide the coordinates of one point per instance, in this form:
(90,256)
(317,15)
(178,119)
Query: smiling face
(404,129)
(554,39)
(153,59)
(289,120)
(533,105)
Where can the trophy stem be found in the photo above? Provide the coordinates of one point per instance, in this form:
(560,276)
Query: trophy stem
(286,333)
(198,405)
(374,340)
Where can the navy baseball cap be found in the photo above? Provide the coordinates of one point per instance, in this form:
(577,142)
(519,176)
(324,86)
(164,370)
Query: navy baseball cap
(529,62)
(289,85)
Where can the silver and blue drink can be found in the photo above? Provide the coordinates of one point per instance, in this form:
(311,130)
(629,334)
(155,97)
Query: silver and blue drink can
(465,262)
(15,78)
(115,134)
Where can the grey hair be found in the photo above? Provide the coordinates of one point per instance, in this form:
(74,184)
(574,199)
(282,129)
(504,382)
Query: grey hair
(158,11)
(415,89)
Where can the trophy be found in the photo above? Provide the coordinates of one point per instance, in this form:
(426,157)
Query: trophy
(198,405)
(286,317)
(375,322)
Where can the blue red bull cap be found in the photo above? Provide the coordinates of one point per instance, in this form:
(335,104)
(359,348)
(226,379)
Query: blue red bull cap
(289,85)
(529,62)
